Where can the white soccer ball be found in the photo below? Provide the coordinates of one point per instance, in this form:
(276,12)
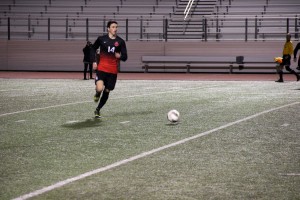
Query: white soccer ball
(173,116)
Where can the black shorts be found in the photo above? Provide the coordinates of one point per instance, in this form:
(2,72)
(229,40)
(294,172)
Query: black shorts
(108,79)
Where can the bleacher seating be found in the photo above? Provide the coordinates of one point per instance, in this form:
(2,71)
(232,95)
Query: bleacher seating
(137,12)
(210,20)
(226,19)
(267,20)
(190,28)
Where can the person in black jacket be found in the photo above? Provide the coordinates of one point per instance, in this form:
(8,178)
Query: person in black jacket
(295,55)
(87,60)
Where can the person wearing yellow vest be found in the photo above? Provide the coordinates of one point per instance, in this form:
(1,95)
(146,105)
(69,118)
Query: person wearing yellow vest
(288,50)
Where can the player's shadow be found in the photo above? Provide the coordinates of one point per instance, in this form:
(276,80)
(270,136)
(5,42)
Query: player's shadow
(88,123)
(131,113)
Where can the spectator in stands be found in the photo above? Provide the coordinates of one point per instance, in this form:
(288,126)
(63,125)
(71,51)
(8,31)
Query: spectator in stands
(112,50)
(295,55)
(286,59)
(87,61)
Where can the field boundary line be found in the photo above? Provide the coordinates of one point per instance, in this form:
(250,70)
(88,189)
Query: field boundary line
(144,154)
(43,108)
(74,103)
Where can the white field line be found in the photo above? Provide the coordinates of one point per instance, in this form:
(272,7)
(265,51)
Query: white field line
(142,155)
(290,174)
(10,90)
(35,109)
(42,88)
(74,103)
(125,122)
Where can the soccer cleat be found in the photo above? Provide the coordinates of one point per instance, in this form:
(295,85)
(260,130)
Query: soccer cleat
(96,97)
(97,114)
(279,81)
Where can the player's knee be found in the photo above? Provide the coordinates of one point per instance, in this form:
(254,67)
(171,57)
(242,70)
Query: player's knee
(99,89)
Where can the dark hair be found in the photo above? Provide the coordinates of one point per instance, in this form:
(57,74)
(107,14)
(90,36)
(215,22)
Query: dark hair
(110,23)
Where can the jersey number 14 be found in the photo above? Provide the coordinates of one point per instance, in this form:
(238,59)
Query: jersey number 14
(111,49)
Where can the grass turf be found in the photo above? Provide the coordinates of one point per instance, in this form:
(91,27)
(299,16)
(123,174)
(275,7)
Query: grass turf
(48,134)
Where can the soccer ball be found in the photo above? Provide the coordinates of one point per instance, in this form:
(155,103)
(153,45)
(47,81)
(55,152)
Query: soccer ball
(173,116)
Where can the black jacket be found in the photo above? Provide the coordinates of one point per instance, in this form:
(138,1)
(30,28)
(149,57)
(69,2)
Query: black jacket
(86,51)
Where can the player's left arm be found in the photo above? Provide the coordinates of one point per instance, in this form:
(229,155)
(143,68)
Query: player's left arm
(123,56)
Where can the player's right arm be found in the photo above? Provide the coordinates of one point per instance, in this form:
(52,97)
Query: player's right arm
(94,47)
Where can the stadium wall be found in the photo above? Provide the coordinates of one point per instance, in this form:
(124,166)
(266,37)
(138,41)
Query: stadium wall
(26,55)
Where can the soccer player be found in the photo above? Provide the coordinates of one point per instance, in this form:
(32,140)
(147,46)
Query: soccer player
(295,55)
(112,50)
(286,59)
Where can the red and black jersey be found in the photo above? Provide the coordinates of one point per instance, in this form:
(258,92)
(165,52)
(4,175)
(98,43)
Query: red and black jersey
(108,47)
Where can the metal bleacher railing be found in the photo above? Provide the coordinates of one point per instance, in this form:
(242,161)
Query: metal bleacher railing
(157,20)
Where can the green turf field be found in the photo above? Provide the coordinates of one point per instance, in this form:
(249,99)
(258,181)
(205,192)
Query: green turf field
(235,140)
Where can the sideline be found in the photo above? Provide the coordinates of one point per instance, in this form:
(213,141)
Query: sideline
(196,76)
(142,155)
(132,96)
(35,109)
